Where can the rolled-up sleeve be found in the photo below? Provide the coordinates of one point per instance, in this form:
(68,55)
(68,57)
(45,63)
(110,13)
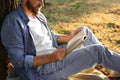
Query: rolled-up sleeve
(12,39)
(55,35)
(28,61)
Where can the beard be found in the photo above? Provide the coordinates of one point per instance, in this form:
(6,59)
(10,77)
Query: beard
(31,8)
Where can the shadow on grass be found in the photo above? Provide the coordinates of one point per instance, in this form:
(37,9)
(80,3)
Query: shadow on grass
(67,10)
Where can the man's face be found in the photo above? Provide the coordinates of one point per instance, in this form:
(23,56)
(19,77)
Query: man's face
(34,5)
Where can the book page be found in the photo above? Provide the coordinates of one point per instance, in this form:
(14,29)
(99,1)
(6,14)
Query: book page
(76,41)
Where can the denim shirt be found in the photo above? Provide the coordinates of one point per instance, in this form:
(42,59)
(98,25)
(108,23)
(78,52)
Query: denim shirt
(18,42)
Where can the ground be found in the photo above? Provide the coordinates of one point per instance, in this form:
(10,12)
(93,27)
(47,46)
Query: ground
(102,16)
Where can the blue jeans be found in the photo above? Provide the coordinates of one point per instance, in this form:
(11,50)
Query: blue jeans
(81,58)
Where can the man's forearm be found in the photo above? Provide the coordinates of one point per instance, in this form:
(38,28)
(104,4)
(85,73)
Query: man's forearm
(43,59)
(64,39)
(57,55)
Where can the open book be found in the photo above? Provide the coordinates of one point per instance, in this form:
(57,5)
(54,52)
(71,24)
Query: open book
(76,41)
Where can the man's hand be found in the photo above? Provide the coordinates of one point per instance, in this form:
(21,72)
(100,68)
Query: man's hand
(59,54)
(74,33)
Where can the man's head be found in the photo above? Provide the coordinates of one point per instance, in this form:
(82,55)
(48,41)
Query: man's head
(33,6)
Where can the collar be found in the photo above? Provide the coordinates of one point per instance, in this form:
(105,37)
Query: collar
(22,14)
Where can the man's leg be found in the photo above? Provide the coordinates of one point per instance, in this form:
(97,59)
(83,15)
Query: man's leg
(79,60)
(91,38)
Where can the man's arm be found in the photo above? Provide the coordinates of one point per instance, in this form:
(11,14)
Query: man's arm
(65,38)
(44,59)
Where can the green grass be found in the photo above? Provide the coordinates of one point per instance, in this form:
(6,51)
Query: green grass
(102,16)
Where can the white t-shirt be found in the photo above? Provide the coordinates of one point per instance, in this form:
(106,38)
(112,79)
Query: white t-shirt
(40,36)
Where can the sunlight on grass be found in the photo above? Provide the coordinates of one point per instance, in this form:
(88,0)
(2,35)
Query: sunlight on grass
(102,16)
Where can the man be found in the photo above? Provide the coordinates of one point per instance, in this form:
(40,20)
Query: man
(38,54)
